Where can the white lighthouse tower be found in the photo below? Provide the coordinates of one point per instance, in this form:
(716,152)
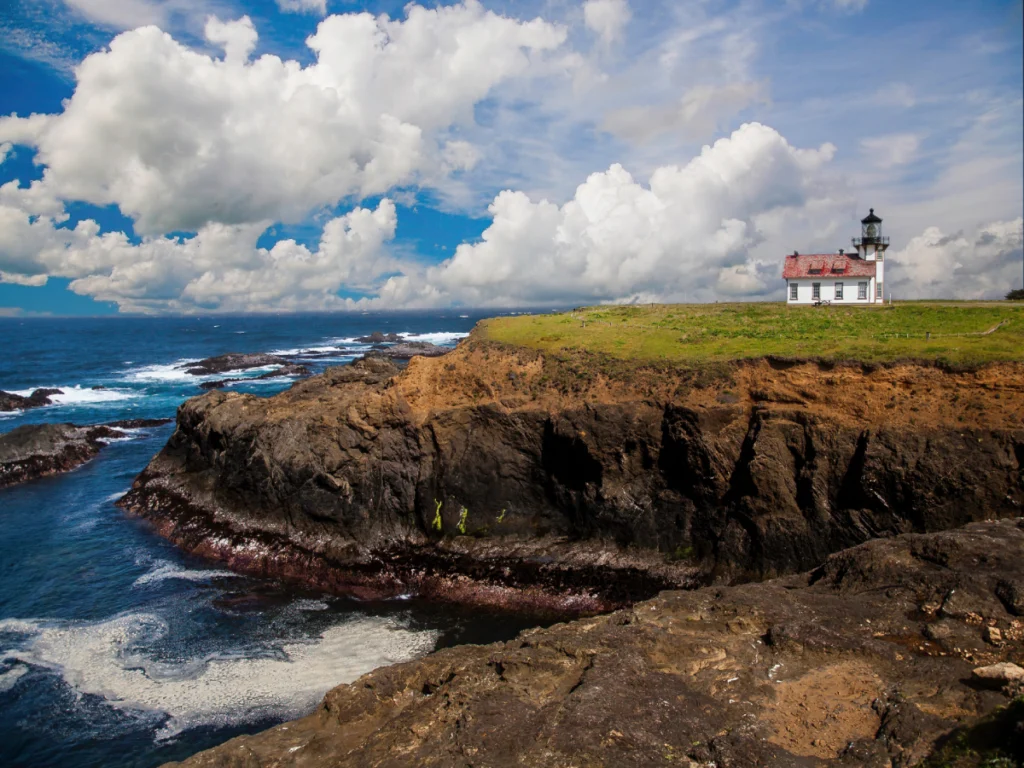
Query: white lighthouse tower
(871,246)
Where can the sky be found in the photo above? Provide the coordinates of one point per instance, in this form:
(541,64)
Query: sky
(201,156)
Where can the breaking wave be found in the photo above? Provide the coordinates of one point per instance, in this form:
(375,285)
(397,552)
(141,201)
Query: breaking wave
(108,659)
(77,395)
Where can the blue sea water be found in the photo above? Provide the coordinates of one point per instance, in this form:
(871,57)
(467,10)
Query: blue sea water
(115,648)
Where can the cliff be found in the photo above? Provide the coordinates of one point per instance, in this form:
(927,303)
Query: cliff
(866,661)
(577,482)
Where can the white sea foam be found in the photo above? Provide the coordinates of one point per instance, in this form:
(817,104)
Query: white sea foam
(441,337)
(9,678)
(164,372)
(104,659)
(76,395)
(300,350)
(164,570)
(109,440)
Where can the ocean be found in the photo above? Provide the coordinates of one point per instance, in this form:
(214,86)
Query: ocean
(115,648)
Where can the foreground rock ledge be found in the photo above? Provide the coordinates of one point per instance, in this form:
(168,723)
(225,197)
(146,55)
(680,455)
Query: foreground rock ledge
(500,475)
(865,661)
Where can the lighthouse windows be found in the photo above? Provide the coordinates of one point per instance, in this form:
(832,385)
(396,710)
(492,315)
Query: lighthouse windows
(862,291)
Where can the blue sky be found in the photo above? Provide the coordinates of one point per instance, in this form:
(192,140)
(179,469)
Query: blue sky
(210,155)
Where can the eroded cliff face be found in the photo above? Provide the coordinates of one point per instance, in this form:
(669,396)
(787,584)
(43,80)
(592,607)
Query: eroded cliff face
(496,475)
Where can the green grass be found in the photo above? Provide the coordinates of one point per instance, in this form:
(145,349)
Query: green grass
(702,333)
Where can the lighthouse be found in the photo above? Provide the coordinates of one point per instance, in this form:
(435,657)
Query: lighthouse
(871,246)
(856,278)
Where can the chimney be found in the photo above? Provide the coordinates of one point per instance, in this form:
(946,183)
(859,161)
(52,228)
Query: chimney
(840,251)
(796,253)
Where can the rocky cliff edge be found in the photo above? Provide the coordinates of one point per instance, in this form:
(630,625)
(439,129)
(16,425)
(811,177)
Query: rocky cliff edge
(504,476)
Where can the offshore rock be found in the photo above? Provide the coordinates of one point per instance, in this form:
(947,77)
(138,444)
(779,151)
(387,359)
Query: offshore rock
(828,668)
(498,475)
(233,362)
(378,337)
(40,397)
(284,370)
(36,450)
(409,349)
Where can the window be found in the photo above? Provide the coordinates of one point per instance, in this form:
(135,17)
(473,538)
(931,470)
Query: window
(793,291)
(839,291)
(880,255)
(878,290)
(862,291)
(816,291)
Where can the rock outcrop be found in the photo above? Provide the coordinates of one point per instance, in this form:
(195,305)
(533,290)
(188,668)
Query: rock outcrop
(37,450)
(836,667)
(498,475)
(234,361)
(284,370)
(40,397)
(406,350)
(379,337)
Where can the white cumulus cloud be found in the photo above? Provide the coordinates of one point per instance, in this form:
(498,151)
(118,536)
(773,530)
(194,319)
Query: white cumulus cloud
(689,234)
(982,264)
(221,268)
(178,139)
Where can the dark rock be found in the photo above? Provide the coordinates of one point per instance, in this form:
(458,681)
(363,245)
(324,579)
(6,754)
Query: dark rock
(36,450)
(940,630)
(378,337)
(285,370)
(42,396)
(217,384)
(1012,595)
(98,386)
(233,362)
(410,349)
(39,398)
(685,679)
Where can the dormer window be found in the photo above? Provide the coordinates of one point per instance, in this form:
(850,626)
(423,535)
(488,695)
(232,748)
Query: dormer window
(814,271)
(839,269)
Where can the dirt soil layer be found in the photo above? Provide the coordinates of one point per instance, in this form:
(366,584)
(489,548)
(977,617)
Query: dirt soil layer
(864,661)
(500,475)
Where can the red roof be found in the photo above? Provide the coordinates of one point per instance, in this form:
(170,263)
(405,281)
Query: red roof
(827,265)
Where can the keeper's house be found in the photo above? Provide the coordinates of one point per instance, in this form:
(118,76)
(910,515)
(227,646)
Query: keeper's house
(841,278)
